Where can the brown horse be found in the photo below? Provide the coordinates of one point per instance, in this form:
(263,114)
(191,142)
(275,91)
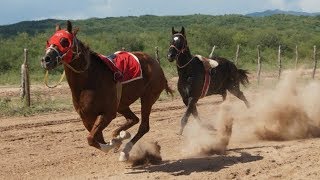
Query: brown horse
(95,91)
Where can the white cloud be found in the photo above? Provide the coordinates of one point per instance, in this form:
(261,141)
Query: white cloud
(309,5)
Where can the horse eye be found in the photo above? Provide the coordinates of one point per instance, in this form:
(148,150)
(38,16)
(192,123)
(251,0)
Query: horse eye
(64,42)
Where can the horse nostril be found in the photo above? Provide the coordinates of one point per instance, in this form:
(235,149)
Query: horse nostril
(170,56)
(47,59)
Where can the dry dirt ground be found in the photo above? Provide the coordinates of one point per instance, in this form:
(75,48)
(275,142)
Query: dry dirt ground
(54,146)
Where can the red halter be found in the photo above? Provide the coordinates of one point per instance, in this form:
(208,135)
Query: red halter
(65,53)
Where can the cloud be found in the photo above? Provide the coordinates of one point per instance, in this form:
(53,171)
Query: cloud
(309,5)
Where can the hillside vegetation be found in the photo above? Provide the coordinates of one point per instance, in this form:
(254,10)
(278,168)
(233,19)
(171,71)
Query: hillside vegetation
(144,33)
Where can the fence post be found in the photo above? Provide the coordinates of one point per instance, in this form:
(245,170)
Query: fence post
(25,81)
(296,63)
(157,54)
(259,65)
(279,62)
(237,55)
(211,54)
(315,61)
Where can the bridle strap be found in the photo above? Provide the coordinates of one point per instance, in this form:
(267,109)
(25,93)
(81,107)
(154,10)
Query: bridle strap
(76,56)
(183,49)
(60,59)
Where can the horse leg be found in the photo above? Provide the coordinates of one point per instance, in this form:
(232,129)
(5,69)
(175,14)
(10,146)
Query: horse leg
(95,137)
(235,90)
(224,95)
(195,113)
(146,104)
(190,109)
(131,118)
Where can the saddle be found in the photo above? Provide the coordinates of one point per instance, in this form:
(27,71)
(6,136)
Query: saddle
(125,66)
(208,64)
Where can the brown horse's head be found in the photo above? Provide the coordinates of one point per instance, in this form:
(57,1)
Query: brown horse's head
(59,47)
(178,44)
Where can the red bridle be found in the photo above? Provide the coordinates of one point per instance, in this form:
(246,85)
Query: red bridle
(182,50)
(184,47)
(64,53)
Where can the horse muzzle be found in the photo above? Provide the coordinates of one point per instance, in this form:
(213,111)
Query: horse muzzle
(171,57)
(47,63)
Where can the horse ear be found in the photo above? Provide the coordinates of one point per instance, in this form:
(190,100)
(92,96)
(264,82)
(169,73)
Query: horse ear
(173,31)
(182,31)
(58,27)
(69,26)
(75,31)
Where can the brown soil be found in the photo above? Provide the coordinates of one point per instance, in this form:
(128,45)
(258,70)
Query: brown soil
(54,146)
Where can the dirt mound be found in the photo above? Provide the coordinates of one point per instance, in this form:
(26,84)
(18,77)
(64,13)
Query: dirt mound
(145,153)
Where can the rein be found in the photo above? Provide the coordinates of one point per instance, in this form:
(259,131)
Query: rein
(46,79)
(76,55)
(185,65)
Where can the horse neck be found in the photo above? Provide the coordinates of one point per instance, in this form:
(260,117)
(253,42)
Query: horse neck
(184,58)
(77,81)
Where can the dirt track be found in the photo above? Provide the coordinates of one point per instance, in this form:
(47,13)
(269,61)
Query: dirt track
(54,146)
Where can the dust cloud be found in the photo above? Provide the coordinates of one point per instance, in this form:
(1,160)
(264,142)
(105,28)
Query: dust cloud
(291,110)
(145,153)
(210,137)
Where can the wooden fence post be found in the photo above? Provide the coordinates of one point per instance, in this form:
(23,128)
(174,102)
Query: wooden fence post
(211,54)
(315,61)
(157,54)
(25,81)
(237,55)
(259,65)
(279,62)
(296,63)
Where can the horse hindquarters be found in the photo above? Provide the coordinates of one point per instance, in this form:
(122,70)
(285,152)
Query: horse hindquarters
(238,76)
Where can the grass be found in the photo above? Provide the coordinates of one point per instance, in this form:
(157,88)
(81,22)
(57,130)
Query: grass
(45,103)
(14,106)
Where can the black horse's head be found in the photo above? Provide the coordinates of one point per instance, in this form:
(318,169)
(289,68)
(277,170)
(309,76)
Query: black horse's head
(178,44)
(59,47)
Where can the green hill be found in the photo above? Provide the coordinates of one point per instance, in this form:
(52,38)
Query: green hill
(106,35)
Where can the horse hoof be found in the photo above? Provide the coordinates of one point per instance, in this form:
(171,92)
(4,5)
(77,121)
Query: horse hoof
(106,147)
(180,132)
(124,135)
(116,144)
(123,157)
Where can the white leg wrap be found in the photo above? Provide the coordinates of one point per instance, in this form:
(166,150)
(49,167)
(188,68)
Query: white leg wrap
(106,147)
(123,157)
(124,135)
(124,154)
(116,142)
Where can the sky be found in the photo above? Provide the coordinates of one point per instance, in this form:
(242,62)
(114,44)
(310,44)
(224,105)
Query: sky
(13,11)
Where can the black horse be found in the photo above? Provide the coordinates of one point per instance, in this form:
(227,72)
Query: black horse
(192,76)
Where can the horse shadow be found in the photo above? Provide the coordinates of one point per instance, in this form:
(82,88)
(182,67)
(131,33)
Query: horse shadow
(203,164)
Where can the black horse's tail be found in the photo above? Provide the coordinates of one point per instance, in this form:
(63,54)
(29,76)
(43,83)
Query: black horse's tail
(243,76)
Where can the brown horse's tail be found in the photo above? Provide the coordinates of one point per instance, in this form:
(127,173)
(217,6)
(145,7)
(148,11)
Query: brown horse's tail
(243,76)
(168,89)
